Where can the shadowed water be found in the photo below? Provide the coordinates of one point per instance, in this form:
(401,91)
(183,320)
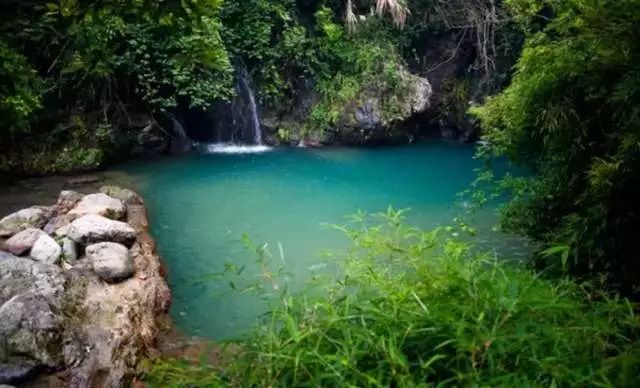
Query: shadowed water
(201,205)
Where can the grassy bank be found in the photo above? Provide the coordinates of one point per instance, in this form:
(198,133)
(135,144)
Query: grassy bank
(416,308)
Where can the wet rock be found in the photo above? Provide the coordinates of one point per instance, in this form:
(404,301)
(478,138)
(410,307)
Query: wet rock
(93,228)
(127,196)
(46,250)
(22,242)
(111,261)
(83,180)
(100,204)
(33,217)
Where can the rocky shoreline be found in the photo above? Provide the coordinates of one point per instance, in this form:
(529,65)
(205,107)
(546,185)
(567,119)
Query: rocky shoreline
(83,294)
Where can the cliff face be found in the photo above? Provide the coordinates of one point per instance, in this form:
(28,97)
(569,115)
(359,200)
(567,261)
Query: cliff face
(88,314)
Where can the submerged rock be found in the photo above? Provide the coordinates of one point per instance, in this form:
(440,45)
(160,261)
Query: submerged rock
(33,217)
(22,242)
(93,228)
(46,250)
(110,261)
(100,204)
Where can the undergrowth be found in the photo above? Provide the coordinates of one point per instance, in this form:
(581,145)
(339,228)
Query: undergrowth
(418,308)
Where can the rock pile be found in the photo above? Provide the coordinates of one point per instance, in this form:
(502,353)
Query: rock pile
(82,291)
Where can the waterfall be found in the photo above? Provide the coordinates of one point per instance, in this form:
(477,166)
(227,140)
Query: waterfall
(244,87)
(181,143)
(178,129)
(228,126)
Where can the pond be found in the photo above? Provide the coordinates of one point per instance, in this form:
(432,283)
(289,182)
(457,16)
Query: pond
(202,204)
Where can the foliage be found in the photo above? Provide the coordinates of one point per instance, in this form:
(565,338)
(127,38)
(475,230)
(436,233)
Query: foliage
(571,115)
(414,308)
(350,65)
(20,92)
(103,61)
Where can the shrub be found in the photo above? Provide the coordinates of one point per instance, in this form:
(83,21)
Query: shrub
(570,115)
(415,308)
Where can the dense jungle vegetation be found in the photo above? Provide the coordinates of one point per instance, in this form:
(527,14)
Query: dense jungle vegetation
(80,81)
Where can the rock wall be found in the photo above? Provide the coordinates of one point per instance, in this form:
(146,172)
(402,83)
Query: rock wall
(82,291)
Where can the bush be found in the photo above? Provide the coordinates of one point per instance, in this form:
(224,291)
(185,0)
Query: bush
(414,308)
(571,116)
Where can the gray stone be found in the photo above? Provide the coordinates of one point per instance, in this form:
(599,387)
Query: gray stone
(20,275)
(94,228)
(31,326)
(127,196)
(46,250)
(111,262)
(31,295)
(33,217)
(22,242)
(100,204)
(69,250)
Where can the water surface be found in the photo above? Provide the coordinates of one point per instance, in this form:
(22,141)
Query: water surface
(201,205)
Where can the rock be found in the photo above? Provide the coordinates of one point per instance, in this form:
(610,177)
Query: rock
(17,372)
(93,228)
(127,196)
(68,199)
(62,231)
(83,180)
(100,204)
(22,242)
(69,250)
(33,217)
(30,325)
(46,250)
(31,320)
(111,262)
(21,275)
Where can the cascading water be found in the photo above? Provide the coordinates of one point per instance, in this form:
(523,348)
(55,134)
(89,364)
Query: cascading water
(181,142)
(233,127)
(244,87)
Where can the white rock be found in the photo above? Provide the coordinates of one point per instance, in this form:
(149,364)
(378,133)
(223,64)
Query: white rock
(93,228)
(100,204)
(46,250)
(111,262)
(32,217)
(22,242)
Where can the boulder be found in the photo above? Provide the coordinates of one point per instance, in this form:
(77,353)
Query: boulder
(30,325)
(100,204)
(31,296)
(93,228)
(22,242)
(127,196)
(111,262)
(33,217)
(19,275)
(46,250)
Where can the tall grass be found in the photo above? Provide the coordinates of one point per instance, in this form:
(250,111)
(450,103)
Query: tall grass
(415,308)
